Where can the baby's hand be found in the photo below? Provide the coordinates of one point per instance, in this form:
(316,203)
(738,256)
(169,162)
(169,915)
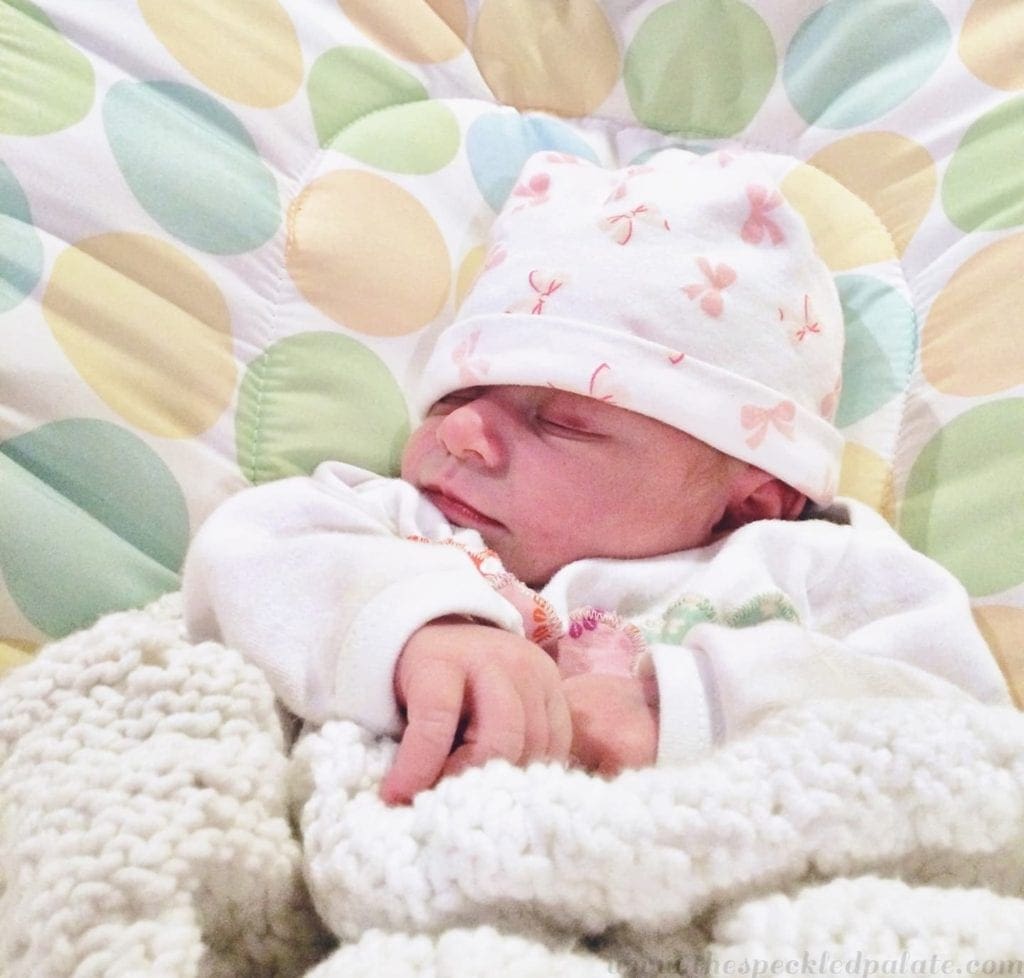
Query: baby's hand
(613,725)
(500,691)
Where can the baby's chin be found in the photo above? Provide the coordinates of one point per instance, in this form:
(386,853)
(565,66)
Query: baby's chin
(526,568)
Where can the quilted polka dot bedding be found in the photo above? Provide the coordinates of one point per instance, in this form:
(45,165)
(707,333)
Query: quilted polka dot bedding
(230,231)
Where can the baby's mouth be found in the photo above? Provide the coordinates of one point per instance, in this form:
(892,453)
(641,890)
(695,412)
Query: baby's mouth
(458,511)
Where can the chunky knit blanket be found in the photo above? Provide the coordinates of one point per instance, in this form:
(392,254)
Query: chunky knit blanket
(154,823)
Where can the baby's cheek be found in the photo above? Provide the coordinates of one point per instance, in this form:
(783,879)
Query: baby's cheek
(414,451)
(607,521)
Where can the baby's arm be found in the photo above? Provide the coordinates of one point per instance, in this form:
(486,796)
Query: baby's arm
(312,579)
(882,620)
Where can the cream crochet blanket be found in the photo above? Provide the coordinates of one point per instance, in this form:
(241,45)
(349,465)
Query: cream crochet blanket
(154,824)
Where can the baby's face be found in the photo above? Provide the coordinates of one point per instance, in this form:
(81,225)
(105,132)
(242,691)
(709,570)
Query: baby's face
(548,477)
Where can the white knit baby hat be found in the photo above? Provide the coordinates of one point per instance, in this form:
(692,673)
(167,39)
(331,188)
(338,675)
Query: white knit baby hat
(686,289)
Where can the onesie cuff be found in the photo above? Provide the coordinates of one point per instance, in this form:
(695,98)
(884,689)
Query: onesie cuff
(686,715)
(364,679)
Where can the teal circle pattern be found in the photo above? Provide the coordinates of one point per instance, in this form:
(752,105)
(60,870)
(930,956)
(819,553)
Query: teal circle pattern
(853,60)
(881,344)
(91,521)
(498,144)
(21,251)
(192,165)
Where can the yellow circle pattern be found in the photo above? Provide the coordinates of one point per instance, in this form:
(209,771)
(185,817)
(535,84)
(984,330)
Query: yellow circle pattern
(256,59)
(560,57)
(367,254)
(866,476)
(1003,629)
(147,329)
(846,231)
(472,262)
(423,32)
(990,42)
(967,345)
(150,171)
(892,174)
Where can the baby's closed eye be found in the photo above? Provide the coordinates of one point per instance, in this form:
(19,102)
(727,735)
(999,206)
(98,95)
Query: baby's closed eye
(570,426)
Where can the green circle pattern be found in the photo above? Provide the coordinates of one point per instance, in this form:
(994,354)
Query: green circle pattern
(964,502)
(983,189)
(91,520)
(376,112)
(47,83)
(420,137)
(700,67)
(314,397)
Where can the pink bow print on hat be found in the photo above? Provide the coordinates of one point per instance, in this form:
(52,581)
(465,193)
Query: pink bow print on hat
(811,322)
(759,420)
(471,371)
(687,289)
(758,224)
(544,285)
(717,278)
(534,191)
(622,225)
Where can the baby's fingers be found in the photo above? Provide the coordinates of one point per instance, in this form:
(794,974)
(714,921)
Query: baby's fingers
(434,700)
(547,735)
(497,722)
(559,721)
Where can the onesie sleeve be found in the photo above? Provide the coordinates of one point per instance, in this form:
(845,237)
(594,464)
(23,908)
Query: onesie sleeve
(320,582)
(877,619)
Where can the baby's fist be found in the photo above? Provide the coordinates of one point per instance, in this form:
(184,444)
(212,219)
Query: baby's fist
(471,693)
(613,725)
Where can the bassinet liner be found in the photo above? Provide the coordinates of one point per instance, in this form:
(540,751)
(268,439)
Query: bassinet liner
(231,231)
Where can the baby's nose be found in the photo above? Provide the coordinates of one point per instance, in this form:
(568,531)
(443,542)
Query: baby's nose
(469,434)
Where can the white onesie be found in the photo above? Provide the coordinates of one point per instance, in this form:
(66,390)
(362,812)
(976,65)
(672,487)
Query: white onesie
(320,581)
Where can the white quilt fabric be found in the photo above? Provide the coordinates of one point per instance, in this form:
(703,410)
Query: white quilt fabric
(154,824)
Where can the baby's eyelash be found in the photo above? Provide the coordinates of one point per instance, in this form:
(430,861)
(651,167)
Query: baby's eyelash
(567,424)
(569,427)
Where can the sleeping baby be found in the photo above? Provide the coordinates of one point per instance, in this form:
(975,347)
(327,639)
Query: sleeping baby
(615,540)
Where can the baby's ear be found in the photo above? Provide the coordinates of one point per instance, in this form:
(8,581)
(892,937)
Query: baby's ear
(756,495)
